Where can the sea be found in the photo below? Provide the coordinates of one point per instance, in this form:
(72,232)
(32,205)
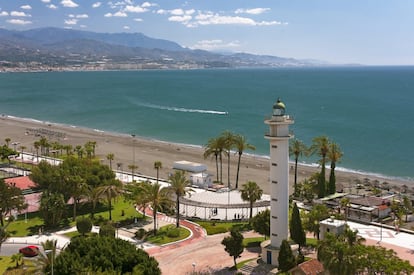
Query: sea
(368,111)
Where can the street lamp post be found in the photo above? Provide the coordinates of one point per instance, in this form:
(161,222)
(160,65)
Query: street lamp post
(133,155)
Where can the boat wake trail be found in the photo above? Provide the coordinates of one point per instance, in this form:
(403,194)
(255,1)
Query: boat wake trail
(185,110)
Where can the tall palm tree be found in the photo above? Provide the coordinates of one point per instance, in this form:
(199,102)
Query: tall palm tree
(111,189)
(251,192)
(228,144)
(345,203)
(138,193)
(297,148)
(241,145)
(110,157)
(179,185)
(132,167)
(158,166)
(212,149)
(157,197)
(334,155)
(46,259)
(36,145)
(7,141)
(320,146)
(94,196)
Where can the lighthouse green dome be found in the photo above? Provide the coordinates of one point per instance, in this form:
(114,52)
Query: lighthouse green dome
(279,108)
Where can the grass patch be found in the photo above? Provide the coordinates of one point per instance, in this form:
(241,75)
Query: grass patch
(215,227)
(7,266)
(253,242)
(242,263)
(123,212)
(312,242)
(168,234)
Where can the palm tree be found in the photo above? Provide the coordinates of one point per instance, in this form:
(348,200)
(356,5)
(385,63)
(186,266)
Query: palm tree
(36,145)
(297,148)
(321,147)
(251,192)
(22,148)
(94,196)
(138,193)
(228,144)
(46,259)
(111,189)
(334,155)
(110,157)
(17,258)
(345,202)
(157,197)
(158,166)
(241,144)
(179,186)
(7,140)
(132,167)
(212,149)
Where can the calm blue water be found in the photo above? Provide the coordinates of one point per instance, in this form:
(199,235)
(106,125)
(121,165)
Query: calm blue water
(367,110)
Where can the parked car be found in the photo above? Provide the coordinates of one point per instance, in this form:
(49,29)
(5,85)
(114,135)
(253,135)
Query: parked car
(29,251)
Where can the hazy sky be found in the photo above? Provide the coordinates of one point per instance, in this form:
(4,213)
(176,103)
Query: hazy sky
(374,32)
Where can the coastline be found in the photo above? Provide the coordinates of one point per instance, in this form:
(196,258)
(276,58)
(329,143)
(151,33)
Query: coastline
(147,151)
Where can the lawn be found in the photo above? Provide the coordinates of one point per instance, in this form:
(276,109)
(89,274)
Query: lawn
(168,234)
(214,227)
(122,212)
(253,242)
(6,263)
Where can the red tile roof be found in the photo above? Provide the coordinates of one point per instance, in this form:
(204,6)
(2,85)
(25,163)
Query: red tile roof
(311,267)
(21,182)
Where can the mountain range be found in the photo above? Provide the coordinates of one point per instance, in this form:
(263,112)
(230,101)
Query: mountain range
(55,47)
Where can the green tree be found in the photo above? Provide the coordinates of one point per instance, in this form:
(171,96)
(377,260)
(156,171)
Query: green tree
(6,152)
(107,230)
(407,206)
(83,225)
(334,155)
(179,185)
(137,192)
(227,138)
(286,259)
(110,157)
(312,218)
(241,145)
(3,234)
(321,147)
(157,197)
(7,141)
(103,255)
(261,223)
(297,233)
(48,258)
(233,244)
(158,166)
(11,198)
(296,148)
(251,192)
(133,167)
(17,258)
(111,189)
(344,204)
(52,207)
(340,254)
(212,148)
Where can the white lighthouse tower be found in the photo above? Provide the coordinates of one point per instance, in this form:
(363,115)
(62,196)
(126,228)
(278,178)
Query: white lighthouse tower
(278,137)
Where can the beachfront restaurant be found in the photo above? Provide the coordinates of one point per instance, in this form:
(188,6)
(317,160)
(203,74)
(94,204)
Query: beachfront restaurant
(198,175)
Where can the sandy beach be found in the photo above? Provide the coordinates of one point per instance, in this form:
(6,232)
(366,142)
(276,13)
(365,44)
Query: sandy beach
(124,147)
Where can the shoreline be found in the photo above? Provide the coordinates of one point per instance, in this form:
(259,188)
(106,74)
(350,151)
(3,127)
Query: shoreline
(148,150)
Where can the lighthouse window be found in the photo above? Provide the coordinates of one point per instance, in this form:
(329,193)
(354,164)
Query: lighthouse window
(274,164)
(274,181)
(274,199)
(274,234)
(274,146)
(274,217)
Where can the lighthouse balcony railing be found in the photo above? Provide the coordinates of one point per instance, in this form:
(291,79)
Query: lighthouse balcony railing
(289,135)
(286,118)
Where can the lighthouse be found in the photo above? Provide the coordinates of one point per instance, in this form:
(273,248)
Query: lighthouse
(278,137)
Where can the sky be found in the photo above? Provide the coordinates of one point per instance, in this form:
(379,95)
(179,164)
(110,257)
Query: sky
(370,32)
